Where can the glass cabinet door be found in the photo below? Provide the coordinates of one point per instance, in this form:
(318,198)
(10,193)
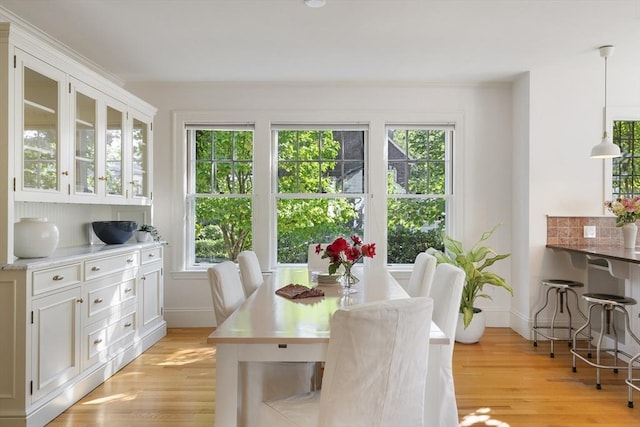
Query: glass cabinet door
(114,151)
(85,144)
(40,156)
(139,158)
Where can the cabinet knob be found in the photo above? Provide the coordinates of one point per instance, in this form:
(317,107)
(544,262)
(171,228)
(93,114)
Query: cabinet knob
(128,290)
(143,278)
(127,325)
(98,341)
(152,255)
(97,300)
(80,300)
(95,268)
(58,277)
(129,260)
(65,173)
(102,178)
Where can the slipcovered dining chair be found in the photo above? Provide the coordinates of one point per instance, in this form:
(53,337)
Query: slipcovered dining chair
(421,277)
(374,373)
(250,272)
(315,262)
(259,380)
(226,290)
(440,400)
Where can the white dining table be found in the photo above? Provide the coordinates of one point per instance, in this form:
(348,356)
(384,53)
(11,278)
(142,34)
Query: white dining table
(271,328)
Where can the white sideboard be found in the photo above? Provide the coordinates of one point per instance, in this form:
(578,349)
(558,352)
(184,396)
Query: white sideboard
(72,320)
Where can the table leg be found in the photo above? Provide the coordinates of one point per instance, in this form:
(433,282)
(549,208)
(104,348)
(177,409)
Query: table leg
(226,385)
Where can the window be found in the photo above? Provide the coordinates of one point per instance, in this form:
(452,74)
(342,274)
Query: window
(219,195)
(320,187)
(626,169)
(419,189)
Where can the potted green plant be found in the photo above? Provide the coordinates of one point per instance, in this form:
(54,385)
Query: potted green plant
(474,263)
(147,233)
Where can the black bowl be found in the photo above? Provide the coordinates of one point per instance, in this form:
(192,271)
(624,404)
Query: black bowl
(114,232)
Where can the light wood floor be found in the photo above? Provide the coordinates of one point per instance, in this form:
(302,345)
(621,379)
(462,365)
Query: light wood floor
(502,378)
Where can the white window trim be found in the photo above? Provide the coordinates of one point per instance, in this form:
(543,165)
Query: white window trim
(375,120)
(615,114)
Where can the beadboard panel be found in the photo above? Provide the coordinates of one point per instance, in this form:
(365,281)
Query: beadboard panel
(73,220)
(8,295)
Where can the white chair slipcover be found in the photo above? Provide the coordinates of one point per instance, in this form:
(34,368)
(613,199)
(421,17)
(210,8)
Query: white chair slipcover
(226,289)
(315,262)
(374,374)
(441,409)
(258,380)
(422,275)
(250,271)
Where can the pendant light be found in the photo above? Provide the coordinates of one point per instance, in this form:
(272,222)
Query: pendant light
(606,149)
(315,3)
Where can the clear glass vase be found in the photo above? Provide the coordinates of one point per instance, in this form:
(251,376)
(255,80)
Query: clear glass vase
(348,281)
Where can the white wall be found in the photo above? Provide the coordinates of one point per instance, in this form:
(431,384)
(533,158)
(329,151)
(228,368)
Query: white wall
(485,140)
(557,177)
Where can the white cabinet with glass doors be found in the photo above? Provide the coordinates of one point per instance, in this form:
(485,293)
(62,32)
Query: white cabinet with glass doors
(42,169)
(78,144)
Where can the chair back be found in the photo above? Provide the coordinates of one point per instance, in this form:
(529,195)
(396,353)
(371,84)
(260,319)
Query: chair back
(250,272)
(421,277)
(226,289)
(446,291)
(440,406)
(376,364)
(315,262)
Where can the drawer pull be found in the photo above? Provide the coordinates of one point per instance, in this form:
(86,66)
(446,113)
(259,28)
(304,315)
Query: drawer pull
(128,290)
(152,255)
(58,277)
(80,300)
(143,278)
(128,324)
(98,300)
(129,260)
(96,268)
(98,341)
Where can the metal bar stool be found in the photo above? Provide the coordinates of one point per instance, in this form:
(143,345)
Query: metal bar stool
(562,288)
(634,383)
(608,304)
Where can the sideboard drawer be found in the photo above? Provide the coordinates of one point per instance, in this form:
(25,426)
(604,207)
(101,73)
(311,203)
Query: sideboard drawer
(105,338)
(56,278)
(151,255)
(107,265)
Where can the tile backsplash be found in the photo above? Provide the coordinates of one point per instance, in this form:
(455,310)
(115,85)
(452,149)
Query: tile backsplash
(569,230)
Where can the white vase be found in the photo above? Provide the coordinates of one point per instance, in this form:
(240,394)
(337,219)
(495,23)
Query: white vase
(472,333)
(34,238)
(629,235)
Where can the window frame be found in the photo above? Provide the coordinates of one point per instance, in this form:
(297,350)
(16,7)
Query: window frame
(265,163)
(615,114)
(449,195)
(277,195)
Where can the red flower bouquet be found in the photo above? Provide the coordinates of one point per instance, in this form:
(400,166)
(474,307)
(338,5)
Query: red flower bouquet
(341,253)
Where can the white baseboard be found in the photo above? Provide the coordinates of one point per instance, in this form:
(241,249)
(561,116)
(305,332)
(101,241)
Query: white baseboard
(189,318)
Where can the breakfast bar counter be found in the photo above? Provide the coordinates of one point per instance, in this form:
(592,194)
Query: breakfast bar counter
(619,263)
(608,252)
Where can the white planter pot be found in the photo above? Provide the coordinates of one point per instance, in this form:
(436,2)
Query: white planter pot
(474,331)
(34,238)
(143,236)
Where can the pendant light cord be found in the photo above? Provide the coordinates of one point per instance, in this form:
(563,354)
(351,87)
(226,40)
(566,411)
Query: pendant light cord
(604,112)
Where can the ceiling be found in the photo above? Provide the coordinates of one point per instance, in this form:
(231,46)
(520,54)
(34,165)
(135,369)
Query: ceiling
(344,41)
